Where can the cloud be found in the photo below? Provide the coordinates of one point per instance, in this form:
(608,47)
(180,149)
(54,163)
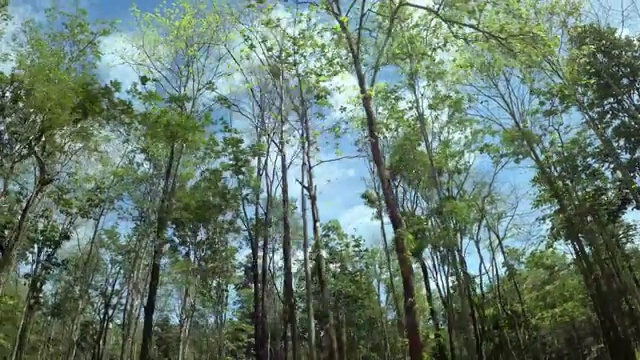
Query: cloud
(345,91)
(19,13)
(115,48)
(360,220)
(339,183)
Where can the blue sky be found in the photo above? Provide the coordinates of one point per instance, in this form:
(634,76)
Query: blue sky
(339,183)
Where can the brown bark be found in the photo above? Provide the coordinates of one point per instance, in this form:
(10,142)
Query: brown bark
(311,336)
(164,209)
(24,329)
(290,305)
(397,222)
(406,270)
(310,188)
(387,254)
(441,348)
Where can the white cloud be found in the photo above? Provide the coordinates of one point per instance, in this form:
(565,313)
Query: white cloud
(359,220)
(19,14)
(417,13)
(115,47)
(345,91)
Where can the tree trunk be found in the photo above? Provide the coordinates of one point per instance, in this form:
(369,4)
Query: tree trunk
(22,337)
(164,209)
(441,348)
(11,245)
(290,305)
(311,336)
(397,222)
(387,254)
(315,220)
(264,281)
(130,312)
(185,321)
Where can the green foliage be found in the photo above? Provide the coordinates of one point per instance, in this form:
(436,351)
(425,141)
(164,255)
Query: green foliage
(90,172)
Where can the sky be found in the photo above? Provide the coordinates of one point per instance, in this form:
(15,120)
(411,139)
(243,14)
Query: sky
(340,183)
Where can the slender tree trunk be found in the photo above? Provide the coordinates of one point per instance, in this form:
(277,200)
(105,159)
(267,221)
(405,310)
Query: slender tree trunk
(99,342)
(127,323)
(164,209)
(264,281)
(43,352)
(255,277)
(383,315)
(391,290)
(412,325)
(11,244)
(387,253)
(441,348)
(315,220)
(471,306)
(130,312)
(290,305)
(343,337)
(306,171)
(261,231)
(22,337)
(311,336)
(516,287)
(136,323)
(185,318)
(446,300)
(84,278)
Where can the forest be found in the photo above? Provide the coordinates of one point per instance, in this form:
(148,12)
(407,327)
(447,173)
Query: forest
(322,179)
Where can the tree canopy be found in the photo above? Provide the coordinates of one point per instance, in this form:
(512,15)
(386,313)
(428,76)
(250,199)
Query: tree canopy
(194,208)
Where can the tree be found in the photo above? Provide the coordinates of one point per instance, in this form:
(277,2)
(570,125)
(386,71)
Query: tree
(353,44)
(49,139)
(499,146)
(189,39)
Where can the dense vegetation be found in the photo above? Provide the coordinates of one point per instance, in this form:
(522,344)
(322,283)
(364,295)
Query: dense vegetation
(176,214)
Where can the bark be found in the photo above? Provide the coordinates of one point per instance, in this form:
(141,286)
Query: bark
(311,336)
(441,348)
(397,222)
(185,322)
(290,306)
(264,281)
(164,209)
(254,238)
(261,232)
(387,254)
(310,188)
(131,310)
(12,243)
(28,313)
